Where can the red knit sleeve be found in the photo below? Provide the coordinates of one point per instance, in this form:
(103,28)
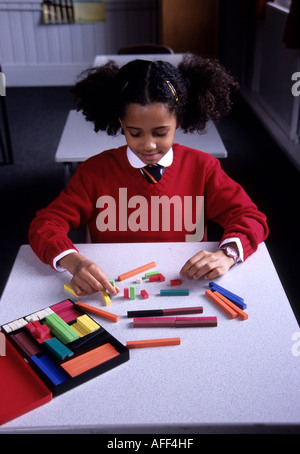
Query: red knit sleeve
(227,203)
(48,232)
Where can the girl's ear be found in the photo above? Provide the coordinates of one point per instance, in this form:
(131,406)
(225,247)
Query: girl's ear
(122,128)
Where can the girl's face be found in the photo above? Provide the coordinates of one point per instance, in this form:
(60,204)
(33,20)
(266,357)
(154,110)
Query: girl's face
(149,130)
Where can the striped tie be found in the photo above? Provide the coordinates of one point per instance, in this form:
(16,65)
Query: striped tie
(152,173)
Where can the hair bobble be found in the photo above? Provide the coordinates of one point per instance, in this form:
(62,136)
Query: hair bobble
(124,86)
(174,92)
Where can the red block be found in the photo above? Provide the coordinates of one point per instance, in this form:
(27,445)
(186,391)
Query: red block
(126,292)
(66,311)
(175,282)
(38,331)
(154,278)
(144,294)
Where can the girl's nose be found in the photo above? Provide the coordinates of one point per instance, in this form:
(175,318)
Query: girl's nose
(150,144)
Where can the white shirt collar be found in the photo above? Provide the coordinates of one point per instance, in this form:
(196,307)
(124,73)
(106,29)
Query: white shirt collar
(136,162)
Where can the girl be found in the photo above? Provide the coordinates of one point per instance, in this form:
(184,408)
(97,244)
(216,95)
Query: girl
(150,189)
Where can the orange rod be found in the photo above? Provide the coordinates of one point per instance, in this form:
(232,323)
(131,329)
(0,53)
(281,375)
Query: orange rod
(89,360)
(98,352)
(211,295)
(239,311)
(79,369)
(136,271)
(94,310)
(153,342)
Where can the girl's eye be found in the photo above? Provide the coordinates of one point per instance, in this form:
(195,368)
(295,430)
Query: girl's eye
(155,134)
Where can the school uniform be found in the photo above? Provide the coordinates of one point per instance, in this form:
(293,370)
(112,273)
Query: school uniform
(111,195)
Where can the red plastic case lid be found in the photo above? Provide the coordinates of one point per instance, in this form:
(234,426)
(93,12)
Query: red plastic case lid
(21,390)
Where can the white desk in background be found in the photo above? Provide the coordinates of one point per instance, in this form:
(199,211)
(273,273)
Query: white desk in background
(121,60)
(241,376)
(79,140)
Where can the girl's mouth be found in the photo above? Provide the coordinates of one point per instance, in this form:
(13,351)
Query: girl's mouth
(150,157)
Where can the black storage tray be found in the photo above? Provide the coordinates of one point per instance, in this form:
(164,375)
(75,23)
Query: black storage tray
(78,347)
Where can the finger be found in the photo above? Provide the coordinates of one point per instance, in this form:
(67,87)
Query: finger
(202,270)
(201,267)
(109,287)
(208,266)
(217,271)
(77,289)
(81,287)
(104,281)
(187,267)
(213,274)
(95,280)
(86,280)
(90,283)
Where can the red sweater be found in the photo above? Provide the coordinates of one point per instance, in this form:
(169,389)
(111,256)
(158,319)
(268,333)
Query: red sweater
(114,200)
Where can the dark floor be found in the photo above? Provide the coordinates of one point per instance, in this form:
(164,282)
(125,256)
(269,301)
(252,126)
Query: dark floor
(37,117)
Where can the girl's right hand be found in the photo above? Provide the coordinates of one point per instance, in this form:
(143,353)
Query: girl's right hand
(88,277)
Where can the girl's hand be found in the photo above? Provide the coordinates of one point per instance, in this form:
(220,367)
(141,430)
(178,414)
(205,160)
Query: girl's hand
(88,277)
(207,264)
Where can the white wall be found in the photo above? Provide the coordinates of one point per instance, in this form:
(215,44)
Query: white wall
(34,54)
(270,92)
(254,51)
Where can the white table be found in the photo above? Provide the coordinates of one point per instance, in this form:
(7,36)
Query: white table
(79,140)
(121,60)
(239,376)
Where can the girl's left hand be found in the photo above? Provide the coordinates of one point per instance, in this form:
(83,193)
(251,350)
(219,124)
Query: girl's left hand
(207,264)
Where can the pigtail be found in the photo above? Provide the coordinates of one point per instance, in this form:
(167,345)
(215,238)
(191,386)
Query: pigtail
(96,96)
(209,88)
(197,90)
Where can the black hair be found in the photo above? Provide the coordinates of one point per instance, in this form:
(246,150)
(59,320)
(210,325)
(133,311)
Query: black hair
(197,90)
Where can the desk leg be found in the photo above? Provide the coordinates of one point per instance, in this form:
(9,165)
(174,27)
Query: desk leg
(68,172)
(3,151)
(6,146)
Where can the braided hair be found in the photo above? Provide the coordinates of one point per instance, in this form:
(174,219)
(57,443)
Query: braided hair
(195,91)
